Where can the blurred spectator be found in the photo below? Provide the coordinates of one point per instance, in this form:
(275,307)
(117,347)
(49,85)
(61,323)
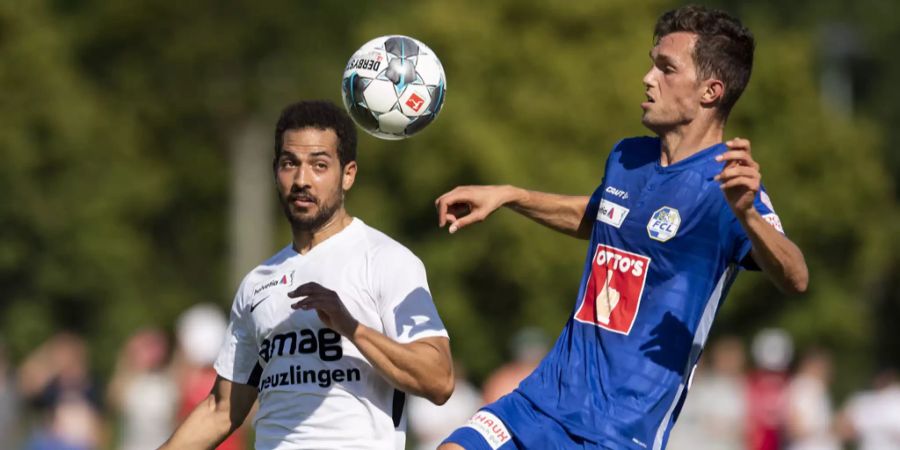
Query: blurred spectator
(528,347)
(143,391)
(715,412)
(55,378)
(200,332)
(772,350)
(809,420)
(9,403)
(430,423)
(872,418)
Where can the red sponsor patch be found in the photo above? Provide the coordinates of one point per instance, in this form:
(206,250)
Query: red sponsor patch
(415,102)
(614,288)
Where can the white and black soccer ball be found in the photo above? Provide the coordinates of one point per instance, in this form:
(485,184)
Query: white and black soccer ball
(393,87)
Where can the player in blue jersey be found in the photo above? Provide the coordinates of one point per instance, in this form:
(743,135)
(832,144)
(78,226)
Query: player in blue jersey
(673,220)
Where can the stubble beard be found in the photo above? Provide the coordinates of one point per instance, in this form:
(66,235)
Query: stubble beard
(649,124)
(323,215)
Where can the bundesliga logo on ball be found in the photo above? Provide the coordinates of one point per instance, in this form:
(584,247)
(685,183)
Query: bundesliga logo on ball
(393,87)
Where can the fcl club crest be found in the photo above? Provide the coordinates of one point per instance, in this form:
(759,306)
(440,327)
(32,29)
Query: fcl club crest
(612,296)
(664,224)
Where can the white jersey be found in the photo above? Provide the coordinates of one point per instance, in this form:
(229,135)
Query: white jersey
(316,390)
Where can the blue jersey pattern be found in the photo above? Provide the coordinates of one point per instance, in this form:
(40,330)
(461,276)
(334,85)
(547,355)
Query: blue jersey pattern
(664,250)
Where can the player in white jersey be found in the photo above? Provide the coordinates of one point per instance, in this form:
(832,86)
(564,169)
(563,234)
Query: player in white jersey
(332,330)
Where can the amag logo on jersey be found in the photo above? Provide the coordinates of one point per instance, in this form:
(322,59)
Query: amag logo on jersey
(612,296)
(324,342)
(327,343)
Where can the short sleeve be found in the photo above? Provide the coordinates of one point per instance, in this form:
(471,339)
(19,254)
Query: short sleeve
(238,359)
(594,202)
(404,300)
(738,239)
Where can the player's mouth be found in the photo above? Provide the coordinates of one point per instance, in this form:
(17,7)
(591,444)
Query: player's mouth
(303,201)
(647,103)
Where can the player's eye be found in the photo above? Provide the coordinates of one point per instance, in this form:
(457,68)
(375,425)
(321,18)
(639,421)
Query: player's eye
(320,165)
(286,164)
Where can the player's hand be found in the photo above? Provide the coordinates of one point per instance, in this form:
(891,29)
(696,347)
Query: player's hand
(466,205)
(328,306)
(740,178)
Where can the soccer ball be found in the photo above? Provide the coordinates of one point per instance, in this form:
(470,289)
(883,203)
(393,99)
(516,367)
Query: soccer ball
(393,87)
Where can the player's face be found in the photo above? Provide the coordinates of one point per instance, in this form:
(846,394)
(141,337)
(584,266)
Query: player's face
(311,182)
(672,88)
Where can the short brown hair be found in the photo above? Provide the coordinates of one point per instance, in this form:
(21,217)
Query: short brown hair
(724,47)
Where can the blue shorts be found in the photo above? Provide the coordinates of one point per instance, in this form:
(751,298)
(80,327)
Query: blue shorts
(513,423)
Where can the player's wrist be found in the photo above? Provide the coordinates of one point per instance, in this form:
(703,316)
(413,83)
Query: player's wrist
(352,330)
(749,215)
(513,196)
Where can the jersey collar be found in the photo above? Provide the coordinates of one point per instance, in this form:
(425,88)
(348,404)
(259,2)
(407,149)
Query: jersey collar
(697,158)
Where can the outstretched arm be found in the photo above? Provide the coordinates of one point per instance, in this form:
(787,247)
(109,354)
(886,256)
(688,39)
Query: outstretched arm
(778,257)
(214,418)
(466,205)
(422,367)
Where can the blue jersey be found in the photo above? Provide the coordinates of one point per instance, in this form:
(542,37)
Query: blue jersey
(665,248)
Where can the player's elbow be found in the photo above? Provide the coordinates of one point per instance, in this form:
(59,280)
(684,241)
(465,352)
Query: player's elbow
(797,283)
(223,416)
(438,388)
(441,390)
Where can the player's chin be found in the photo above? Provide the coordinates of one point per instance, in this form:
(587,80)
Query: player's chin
(648,122)
(302,215)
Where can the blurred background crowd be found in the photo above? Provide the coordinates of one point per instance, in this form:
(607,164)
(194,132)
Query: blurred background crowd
(758,395)
(136,154)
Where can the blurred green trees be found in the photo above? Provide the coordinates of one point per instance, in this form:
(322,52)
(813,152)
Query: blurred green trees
(115,119)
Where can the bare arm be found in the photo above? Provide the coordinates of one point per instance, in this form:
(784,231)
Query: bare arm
(778,257)
(470,204)
(214,418)
(422,367)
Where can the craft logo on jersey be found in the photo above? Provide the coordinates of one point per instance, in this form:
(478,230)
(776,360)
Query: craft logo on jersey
(612,296)
(664,224)
(415,102)
(611,213)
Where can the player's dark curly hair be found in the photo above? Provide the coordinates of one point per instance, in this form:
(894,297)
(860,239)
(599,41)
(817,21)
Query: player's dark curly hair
(724,47)
(323,115)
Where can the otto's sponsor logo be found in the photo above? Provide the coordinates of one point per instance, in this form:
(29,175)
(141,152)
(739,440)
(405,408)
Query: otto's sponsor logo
(415,102)
(664,223)
(367,62)
(490,427)
(612,296)
(326,342)
(617,192)
(611,213)
(298,375)
(286,279)
(775,221)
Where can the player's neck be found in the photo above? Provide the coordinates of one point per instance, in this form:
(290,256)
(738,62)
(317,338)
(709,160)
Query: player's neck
(305,240)
(681,142)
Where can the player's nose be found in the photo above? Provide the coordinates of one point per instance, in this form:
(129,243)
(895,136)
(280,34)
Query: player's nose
(303,176)
(648,78)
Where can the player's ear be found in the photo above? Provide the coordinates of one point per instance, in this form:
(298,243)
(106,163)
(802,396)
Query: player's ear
(713,92)
(348,175)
